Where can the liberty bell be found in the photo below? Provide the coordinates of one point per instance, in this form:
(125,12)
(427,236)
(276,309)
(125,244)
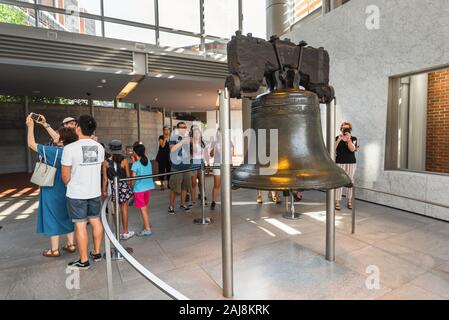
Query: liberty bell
(303,162)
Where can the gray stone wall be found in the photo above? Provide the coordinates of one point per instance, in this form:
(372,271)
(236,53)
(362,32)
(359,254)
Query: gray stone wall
(412,37)
(112,124)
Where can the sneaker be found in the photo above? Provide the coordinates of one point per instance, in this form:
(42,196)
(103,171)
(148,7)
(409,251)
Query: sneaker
(79,265)
(144,233)
(95,256)
(259,199)
(212,205)
(191,204)
(185,208)
(126,236)
(171,210)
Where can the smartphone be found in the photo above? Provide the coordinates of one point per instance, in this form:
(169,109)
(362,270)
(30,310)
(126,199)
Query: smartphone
(35,116)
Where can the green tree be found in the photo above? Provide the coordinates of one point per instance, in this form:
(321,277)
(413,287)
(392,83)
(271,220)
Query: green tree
(10,14)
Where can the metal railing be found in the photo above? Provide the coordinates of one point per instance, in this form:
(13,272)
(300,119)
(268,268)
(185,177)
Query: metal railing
(119,252)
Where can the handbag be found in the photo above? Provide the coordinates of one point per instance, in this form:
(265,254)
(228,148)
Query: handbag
(44,174)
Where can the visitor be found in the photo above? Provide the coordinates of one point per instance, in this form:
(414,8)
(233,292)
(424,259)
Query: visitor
(216,154)
(142,188)
(117,158)
(68,122)
(163,157)
(181,160)
(346,146)
(198,154)
(52,216)
(81,172)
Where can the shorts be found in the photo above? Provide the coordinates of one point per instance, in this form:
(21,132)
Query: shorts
(216,172)
(180,181)
(80,210)
(141,199)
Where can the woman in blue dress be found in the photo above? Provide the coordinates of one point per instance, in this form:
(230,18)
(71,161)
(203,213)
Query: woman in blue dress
(53,218)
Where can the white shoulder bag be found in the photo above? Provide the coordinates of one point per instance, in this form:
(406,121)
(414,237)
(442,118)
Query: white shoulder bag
(44,174)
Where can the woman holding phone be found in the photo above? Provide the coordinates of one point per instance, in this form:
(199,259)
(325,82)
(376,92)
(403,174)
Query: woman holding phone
(53,218)
(346,147)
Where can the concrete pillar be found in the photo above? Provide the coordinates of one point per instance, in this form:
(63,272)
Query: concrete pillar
(163,117)
(171,120)
(139,124)
(91,107)
(279,17)
(26,109)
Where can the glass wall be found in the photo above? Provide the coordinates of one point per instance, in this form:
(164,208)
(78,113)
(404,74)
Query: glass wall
(17,15)
(129,33)
(141,11)
(180,15)
(179,43)
(200,27)
(221,18)
(87,6)
(255,18)
(69,23)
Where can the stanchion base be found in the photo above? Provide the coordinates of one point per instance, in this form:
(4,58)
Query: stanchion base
(200,221)
(116,256)
(290,216)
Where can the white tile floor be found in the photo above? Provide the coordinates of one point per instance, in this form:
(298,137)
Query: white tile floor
(270,260)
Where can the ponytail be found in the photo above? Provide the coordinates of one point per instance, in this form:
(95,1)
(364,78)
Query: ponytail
(144,160)
(139,149)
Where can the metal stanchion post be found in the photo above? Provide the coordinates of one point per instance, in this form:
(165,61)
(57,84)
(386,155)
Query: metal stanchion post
(330,194)
(290,212)
(226,202)
(353,210)
(203,219)
(115,254)
(107,246)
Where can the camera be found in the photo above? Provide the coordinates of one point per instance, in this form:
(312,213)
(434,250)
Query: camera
(36,117)
(346,130)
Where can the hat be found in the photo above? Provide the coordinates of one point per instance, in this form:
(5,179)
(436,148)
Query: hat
(115,147)
(68,119)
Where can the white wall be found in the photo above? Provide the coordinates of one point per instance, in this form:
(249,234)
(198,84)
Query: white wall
(413,36)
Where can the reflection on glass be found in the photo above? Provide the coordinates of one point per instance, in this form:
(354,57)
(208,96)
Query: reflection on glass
(88,6)
(132,10)
(69,23)
(216,50)
(129,33)
(254,18)
(221,18)
(17,15)
(180,15)
(179,43)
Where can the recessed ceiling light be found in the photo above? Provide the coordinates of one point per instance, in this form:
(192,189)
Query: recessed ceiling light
(158,75)
(99,86)
(199,94)
(35,91)
(103,80)
(156,99)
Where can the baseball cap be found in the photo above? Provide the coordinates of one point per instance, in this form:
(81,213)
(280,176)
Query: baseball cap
(68,119)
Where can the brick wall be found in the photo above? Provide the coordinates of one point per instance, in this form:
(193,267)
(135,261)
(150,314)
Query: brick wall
(112,124)
(437,153)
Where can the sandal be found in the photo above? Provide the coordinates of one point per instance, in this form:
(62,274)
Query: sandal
(337,206)
(50,253)
(70,248)
(349,205)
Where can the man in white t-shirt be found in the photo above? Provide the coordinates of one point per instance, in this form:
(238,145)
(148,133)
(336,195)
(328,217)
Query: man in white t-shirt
(81,172)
